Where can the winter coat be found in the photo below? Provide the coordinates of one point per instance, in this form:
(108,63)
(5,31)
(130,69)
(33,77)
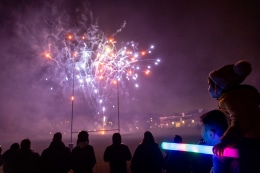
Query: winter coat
(241,104)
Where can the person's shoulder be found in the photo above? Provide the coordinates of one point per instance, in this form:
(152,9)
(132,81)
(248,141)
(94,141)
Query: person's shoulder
(7,152)
(110,147)
(46,150)
(141,146)
(155,144)
(89,146)
(86,147)
(66,148)
(35,154)
(123,145)
(75,149)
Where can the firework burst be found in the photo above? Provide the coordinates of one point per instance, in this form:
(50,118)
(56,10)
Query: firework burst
(78,54)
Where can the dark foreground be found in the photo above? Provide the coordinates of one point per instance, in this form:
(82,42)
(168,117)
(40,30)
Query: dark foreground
(101,141)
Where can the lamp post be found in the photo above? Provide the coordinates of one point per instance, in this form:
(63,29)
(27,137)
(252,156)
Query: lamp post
(72,108)
(117,93)
(118,119)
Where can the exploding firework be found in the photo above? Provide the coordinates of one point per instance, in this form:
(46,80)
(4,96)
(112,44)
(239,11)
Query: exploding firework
(84,58)
(97,65)
(76,55)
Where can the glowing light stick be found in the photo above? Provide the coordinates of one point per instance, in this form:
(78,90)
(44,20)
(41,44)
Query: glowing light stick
(204,149)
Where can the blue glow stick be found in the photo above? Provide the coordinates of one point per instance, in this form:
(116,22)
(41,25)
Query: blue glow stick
(204,149)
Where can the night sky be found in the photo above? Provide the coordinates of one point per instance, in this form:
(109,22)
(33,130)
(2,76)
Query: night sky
(191,38)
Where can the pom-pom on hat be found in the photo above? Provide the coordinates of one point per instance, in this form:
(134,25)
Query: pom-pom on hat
(231,75)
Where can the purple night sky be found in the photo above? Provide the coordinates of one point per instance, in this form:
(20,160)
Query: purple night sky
(191,39)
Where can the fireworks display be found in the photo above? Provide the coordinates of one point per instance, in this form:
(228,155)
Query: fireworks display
(84,58)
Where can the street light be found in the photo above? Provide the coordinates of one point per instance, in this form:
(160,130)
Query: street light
(72,107)
(70,37)
(118,119)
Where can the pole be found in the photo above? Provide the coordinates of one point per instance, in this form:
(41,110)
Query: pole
(72,107)
(118,119)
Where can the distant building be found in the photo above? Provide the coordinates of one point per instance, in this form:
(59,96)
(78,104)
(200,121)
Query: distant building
(188,119)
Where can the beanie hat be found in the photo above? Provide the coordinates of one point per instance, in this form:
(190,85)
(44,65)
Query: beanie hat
(231,75)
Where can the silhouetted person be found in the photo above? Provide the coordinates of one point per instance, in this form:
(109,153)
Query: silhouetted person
(177,161)
(57,157)
(117,154)
(147,157)
(1,159)
(26,161)
(83,156)
(8,158)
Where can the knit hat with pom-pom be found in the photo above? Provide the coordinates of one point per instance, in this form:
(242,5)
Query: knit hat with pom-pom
(231,75)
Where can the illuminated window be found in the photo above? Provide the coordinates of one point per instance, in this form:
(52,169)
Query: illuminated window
(178,125)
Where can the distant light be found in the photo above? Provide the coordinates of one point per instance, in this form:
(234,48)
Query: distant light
(47,55)
(133,59)
(75,54)
(114,82)
(111,40)
(147,72)
(108,49)
(69,37)
(136,85)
